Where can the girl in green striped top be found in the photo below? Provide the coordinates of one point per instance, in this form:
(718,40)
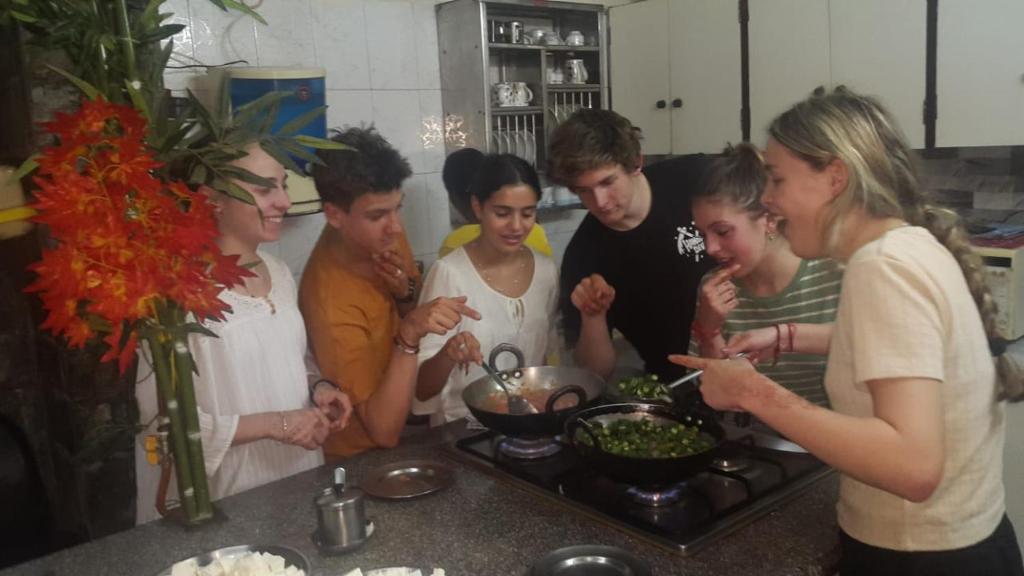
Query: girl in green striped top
(762,295)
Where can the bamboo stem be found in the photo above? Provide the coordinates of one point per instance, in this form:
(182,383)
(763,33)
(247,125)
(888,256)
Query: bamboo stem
(124,29)
(179,445)
(190,418)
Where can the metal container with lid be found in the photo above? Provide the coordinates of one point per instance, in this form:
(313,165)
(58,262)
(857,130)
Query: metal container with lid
(341,517)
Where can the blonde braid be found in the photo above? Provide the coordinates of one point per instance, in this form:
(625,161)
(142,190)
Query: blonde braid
(883,182)
(948,229)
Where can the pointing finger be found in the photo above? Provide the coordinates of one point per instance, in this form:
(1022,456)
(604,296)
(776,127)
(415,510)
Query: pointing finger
(689,361)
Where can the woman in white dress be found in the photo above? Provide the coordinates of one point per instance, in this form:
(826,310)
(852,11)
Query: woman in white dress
(512,286)
(255,412)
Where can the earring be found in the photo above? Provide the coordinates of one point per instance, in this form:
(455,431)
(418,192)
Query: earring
(771,236)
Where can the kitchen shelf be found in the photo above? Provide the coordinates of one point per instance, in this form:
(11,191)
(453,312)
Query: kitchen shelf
(513,110)
(472,62)
(548,47)
(562,48)
(574,87)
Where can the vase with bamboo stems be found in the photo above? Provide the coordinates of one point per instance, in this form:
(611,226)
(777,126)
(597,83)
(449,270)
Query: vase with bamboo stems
(132,252)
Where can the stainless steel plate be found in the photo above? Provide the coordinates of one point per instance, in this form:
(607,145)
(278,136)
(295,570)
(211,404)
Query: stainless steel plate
(590,561)
(407,479)
(292,557)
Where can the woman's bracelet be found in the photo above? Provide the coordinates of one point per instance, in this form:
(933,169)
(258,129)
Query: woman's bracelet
(778,344)
(792,336)
(284,425)
(405,346)
(312,388)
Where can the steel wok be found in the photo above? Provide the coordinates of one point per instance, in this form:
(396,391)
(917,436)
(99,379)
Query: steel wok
(633,470)
(560,380)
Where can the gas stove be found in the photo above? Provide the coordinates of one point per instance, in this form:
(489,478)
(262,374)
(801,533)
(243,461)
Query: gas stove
(747,478)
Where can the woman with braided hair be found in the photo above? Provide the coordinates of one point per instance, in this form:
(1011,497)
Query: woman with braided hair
(917,422)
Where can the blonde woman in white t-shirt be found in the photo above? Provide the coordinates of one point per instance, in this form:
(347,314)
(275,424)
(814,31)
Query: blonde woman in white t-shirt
(512,286)
(917,421)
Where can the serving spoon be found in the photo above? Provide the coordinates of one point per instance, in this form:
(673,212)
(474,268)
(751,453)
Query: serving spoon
(517,405)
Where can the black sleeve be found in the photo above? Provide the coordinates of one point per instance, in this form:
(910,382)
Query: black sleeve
(578,262)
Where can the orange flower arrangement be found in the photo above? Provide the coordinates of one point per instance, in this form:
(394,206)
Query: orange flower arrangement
(128,245)
(132,257)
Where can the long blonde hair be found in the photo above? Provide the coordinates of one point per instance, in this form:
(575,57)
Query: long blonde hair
(882,181)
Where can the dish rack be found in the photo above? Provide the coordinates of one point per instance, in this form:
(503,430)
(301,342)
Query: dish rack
(516,133)
(473,60)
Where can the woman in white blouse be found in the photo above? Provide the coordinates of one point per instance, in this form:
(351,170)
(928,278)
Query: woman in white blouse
(512,286)
(255,412)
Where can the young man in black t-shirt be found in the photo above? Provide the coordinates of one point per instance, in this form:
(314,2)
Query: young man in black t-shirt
(636,261)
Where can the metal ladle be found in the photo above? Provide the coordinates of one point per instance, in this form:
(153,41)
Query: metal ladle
(516,404)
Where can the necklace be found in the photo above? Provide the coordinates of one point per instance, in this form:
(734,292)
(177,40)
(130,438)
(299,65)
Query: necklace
(265,298)
(509,286)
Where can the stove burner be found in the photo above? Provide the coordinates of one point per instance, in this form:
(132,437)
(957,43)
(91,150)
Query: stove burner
(529,449)
(661,496)
(727,464)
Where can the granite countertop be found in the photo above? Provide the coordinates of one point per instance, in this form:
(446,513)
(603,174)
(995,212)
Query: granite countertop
(479,526)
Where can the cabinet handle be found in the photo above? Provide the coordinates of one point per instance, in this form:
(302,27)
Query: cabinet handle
(677,103)
(659,104)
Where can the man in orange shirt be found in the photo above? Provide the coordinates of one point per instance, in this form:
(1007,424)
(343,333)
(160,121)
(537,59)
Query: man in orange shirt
(358,291)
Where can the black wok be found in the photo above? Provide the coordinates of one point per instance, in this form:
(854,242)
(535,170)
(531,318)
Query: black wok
(559,381)
(633,470)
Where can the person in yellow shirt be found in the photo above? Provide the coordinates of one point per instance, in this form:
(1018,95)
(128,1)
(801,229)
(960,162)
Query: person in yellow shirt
(359,288)
(459,168)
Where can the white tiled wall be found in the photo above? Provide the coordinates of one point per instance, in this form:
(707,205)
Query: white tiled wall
(382,66)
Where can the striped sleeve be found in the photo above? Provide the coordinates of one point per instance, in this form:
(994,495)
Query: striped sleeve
(812,297)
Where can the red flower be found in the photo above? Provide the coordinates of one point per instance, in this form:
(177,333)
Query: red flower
(127,243)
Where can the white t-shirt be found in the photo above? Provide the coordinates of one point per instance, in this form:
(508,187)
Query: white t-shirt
(527,322)
(906,311)
(257,364)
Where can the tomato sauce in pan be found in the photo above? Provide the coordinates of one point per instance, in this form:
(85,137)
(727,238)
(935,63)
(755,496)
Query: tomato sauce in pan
(497,401)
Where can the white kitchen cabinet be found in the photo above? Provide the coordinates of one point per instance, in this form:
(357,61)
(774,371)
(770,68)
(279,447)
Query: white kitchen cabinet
(980,80)
(639,66)
(789,57)
(878,48)
(675,73)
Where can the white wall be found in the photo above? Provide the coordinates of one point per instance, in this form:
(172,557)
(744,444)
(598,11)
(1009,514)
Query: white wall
(381,59)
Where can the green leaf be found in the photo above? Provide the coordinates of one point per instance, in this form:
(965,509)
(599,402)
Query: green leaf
(320,143)
(246,176)
(296,150)
(248,112)
(234,190)
(281,156)
(198,175)
(26,168)
(220,4)
(158,34)
(197,328)
(22,17)
(89,90)
(138,100)
(242,7)
(299,122)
